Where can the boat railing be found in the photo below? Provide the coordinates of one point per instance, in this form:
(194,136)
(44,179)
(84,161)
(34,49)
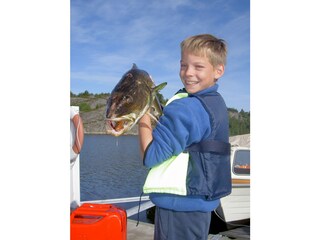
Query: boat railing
(131,211)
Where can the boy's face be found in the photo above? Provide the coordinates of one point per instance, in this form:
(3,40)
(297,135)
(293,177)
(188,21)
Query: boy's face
(197,73)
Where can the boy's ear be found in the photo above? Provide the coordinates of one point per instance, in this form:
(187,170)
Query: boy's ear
(219,71)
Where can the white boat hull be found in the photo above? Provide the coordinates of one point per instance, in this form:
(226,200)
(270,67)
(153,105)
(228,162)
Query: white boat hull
(236,206)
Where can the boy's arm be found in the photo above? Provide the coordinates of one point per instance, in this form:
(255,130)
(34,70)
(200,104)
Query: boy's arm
(145,133)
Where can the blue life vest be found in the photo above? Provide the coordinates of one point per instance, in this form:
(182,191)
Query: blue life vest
(204,167)
(209,170)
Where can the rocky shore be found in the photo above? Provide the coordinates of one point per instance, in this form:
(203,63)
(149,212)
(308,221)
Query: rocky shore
(94,119)
(92,112)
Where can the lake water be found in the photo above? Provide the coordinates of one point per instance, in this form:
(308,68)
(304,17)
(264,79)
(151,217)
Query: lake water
(111,167)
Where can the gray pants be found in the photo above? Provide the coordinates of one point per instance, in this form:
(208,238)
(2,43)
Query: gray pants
(172,225)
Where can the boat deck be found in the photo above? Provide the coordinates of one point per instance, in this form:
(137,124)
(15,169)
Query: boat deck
(144,231)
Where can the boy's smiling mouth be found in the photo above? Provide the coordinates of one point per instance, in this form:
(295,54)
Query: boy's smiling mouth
(188,82)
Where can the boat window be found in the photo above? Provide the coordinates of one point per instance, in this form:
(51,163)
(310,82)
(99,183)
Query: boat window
(241,163)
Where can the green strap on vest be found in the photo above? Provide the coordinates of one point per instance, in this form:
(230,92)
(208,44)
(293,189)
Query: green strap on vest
(177,96)
(169,176)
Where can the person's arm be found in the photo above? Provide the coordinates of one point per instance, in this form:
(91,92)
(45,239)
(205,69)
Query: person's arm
(145,133)
(175,130)
(79,134)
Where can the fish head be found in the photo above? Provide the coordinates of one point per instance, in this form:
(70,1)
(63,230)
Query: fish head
(129,101)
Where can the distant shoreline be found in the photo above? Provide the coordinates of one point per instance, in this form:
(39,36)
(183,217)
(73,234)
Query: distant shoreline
(102,133)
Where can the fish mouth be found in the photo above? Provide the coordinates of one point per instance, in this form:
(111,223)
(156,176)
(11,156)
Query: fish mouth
(117,126)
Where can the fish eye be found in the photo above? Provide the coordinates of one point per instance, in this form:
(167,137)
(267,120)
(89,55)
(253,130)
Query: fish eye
(127,99)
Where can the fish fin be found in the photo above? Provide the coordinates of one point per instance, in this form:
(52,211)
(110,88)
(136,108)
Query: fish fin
(159,87)
(134,66)
(156,107)
(153,117)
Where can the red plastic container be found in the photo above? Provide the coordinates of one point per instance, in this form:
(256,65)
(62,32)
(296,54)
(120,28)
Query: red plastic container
(98,222)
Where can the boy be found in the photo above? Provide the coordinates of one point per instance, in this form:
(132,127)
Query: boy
(195,125)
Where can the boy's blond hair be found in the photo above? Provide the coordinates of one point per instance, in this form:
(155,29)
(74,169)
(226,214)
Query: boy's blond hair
(206,45)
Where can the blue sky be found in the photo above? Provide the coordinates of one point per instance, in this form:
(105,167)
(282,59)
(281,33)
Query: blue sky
(108,36)
(35,81)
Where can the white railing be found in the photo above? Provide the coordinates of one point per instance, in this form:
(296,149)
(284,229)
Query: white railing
(131,211)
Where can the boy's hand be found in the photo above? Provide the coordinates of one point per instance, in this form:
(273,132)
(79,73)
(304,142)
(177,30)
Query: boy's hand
(145,120)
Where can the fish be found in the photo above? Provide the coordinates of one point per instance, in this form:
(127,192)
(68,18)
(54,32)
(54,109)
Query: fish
(131,98)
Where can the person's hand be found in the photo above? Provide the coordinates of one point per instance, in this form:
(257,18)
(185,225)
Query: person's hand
(145,119)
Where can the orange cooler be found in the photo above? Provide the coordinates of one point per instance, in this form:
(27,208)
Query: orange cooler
(98,222)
